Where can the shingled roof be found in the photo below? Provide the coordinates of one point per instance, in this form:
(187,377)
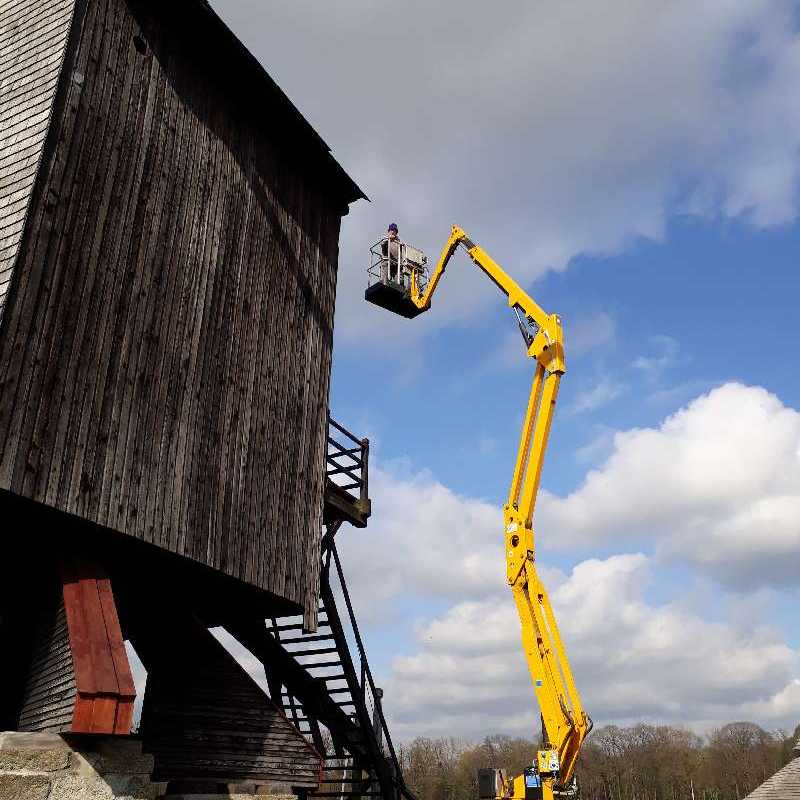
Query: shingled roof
(784,784)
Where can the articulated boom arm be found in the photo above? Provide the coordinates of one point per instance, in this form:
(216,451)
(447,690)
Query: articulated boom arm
(564,720)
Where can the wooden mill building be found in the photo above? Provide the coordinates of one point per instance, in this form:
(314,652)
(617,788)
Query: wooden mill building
(169,228)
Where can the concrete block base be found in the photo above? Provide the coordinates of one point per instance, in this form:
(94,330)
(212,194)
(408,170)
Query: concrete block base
(45,766)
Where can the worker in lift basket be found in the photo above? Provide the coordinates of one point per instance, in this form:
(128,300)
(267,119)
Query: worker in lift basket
(391,247)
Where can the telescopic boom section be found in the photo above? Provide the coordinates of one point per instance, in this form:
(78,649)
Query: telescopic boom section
(564,721)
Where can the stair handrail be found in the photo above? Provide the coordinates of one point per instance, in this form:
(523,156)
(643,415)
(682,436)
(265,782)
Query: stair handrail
(367,672)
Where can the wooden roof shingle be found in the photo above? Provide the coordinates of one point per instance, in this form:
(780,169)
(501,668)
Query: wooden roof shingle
(784,784)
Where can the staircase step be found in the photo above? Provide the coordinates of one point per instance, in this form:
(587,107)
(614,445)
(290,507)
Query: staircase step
(317,651)
(320,664)
(296,626)
(321,637)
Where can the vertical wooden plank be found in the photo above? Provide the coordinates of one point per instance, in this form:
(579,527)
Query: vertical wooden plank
(135,391)
(199,520)
(119,657)
(164,419)
(274,528)
(122,183)
(266,183)
(183,401)
(102,675)
(71,366)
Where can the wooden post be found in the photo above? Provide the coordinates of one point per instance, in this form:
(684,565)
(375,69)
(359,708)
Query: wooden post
(105,688)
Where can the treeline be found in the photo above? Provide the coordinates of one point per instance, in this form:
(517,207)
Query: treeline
(643,762)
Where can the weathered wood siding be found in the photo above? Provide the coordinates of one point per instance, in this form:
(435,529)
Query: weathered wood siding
(166,348)
(50,691)
(205,718)
(33,39)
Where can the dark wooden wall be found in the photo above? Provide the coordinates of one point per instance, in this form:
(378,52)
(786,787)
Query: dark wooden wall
(166,345)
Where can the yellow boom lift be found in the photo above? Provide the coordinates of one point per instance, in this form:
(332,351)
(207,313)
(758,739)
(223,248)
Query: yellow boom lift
(404,289)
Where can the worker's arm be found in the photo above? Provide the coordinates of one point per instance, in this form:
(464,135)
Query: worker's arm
(564,720)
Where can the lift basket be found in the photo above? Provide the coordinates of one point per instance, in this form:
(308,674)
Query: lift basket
(389,276)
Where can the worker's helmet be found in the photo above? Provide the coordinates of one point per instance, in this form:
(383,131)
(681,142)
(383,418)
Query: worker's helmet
(392,227)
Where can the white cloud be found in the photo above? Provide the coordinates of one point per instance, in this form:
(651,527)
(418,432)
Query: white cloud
(463,673)
(599,446)
(677,394)
(547,130)
(588,332)
(510,354)
(717,484)
(425,538)
(666,355)
(584,333)
(782,705)
(632,660)
(597,396)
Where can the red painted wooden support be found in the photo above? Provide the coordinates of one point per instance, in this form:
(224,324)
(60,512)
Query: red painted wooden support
(105,688)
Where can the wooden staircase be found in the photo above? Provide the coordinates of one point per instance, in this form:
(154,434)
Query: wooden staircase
(329,693)
(359,757)
(324,686)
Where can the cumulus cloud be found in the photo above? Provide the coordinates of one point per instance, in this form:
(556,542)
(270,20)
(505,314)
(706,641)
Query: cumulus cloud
(717,484)
(589,331)
(596,396)
(666,355)
(632,660)
(599,445)
(547,130)
(463,671)
(584,333)
(424,538)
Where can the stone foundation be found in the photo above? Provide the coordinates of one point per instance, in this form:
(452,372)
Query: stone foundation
(46,766)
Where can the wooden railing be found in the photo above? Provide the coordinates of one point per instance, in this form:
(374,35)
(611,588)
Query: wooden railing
(347,472)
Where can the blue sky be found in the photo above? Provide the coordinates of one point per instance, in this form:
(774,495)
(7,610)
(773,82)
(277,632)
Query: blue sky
(635,166)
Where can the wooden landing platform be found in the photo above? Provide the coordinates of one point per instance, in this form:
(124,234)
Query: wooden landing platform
(341,505)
